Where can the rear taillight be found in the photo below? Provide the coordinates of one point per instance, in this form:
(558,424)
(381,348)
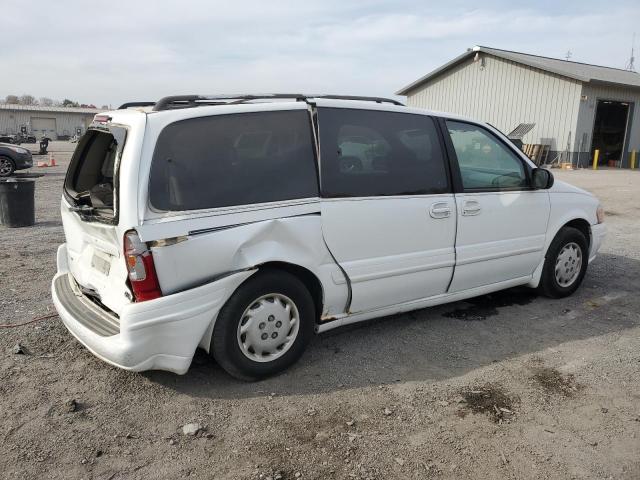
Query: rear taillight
(142,272)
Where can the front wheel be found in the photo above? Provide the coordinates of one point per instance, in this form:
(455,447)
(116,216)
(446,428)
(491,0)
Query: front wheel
(264,327)
(6,167)
(565,264)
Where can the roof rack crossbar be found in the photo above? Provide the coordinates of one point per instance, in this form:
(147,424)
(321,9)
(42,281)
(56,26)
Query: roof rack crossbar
(189,101)
(124,106)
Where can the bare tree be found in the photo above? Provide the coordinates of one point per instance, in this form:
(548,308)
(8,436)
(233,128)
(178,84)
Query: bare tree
(28,100)
(12,99)
(46,102)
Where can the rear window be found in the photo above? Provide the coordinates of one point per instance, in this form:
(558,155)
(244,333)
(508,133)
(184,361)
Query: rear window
(239,159)
(91,176)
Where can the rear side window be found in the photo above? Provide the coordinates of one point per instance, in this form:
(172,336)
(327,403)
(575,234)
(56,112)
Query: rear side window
(372,153)
(239,159)
(91,176)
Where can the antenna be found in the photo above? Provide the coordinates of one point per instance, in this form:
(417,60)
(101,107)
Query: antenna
(567,55)
(630,65)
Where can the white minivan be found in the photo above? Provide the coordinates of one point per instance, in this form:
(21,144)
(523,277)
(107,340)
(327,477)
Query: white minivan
(245,224)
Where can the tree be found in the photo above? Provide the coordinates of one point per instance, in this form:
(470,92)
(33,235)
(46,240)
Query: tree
(46,102)
(12,99)
(28,100)
(69,103)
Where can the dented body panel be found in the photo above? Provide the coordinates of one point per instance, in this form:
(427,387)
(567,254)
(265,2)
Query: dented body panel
(296,240)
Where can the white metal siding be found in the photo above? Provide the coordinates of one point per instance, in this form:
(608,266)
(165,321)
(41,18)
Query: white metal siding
(593,93)
(66,123)
(505,94)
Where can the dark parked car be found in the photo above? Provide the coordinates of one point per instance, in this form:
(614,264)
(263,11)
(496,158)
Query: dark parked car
(13,158)
(26,138)
(9,138)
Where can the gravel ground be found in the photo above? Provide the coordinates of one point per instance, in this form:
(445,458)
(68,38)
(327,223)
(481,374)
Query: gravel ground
(503,386)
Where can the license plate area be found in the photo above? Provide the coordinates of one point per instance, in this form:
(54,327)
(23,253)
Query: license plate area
(101,263)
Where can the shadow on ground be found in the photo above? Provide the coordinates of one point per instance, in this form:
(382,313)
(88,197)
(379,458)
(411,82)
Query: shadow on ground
(437,343)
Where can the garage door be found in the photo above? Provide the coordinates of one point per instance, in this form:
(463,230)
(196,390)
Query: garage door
(44,127)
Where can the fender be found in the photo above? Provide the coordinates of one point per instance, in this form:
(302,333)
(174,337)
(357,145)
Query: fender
(565,207)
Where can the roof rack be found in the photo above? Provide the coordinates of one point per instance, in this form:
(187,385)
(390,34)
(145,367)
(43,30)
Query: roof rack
(190,101)
(124,106)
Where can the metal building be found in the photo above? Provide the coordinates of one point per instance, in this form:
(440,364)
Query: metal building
(53,122)
(576,108)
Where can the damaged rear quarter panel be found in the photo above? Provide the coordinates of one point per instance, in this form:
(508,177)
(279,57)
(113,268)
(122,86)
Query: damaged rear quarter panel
(215,250)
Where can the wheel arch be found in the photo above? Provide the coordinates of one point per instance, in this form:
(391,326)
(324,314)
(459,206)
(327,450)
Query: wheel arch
(306,276)
(578,222)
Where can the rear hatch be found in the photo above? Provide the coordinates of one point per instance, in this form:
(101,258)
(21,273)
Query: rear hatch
(90,214)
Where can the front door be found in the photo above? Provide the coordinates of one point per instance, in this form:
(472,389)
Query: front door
(388,214)
(502,221)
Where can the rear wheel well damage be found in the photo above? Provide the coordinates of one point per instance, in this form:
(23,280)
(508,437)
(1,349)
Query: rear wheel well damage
(307,277)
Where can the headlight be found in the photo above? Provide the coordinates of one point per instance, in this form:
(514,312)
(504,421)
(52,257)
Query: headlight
(18,149)
(600,214)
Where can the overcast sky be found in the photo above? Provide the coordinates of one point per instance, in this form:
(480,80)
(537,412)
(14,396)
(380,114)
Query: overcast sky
(117,51)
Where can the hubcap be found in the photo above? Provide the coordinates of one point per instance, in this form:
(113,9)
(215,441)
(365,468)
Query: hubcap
(5,166)
(268,327)
(568,264)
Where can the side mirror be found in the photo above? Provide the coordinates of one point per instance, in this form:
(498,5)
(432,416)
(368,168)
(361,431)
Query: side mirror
(542,179)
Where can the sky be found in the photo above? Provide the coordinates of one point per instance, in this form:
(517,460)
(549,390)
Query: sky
(118,51)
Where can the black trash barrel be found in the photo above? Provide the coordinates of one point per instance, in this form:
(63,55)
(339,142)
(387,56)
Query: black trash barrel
(17,206)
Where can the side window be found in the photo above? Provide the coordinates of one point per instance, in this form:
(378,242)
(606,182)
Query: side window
(368,153)
(484,161)
(239,159)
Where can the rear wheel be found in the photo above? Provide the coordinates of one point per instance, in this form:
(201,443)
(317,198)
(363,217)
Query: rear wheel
(566,263)
(7,167)
(264,327)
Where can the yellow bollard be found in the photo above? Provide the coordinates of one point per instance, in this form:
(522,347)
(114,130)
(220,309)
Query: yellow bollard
(633,159)
(595,159)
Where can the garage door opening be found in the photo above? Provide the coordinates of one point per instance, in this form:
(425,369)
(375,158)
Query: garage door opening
(609,131)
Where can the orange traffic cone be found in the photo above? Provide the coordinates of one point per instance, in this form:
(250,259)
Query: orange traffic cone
(52,161)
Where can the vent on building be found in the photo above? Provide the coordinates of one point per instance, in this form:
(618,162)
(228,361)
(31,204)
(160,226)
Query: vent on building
(521,130)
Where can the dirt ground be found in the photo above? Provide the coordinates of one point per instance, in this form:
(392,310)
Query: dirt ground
(506,386)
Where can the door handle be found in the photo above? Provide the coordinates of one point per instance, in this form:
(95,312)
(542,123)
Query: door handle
(471,207)
(440,210)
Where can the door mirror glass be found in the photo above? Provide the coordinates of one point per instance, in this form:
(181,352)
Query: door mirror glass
(542,179)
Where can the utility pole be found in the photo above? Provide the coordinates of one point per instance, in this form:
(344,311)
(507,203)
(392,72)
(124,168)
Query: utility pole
(630,65)
(567,55)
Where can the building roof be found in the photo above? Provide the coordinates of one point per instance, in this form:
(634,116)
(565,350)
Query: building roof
(39,108)
(582,72)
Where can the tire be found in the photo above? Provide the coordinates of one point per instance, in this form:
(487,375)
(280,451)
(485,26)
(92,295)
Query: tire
(7,167)
(573,245)
(268,292)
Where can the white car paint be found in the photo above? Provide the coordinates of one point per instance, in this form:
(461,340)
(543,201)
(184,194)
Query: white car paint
(412,257)
(371,256)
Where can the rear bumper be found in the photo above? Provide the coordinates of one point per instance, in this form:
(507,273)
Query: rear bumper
(598,234)
(160,334)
